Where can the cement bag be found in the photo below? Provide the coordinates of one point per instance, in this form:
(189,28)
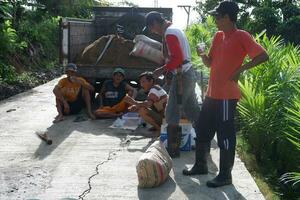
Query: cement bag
(154,166)
(144,50)
(153,43)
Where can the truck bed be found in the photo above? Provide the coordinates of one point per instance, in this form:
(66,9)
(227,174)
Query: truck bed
(105,71)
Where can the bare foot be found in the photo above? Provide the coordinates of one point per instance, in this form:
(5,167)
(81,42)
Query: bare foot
(58,118)
(92,116)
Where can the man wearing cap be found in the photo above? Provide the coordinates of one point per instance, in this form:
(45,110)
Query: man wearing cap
(71,94)
(225,59)
(182,89)
(112,96)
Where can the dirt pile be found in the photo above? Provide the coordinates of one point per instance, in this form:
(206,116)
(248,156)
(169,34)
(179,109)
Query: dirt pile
(117,53)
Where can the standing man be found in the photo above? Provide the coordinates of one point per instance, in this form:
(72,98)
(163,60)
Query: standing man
(229,48)
(182,89)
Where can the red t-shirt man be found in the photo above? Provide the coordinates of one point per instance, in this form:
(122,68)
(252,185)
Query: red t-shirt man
(227,53)
(228,50)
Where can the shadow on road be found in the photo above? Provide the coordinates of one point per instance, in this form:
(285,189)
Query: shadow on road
(60,131)
(164,191)
(194,187)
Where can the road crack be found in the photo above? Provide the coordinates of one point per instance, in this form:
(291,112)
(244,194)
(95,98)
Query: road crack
(111,156)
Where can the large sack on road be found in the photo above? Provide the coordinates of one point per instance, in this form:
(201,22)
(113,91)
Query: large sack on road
(154,166)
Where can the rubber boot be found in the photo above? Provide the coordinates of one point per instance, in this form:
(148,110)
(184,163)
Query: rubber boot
(226,163)
(174,140)
(201,154)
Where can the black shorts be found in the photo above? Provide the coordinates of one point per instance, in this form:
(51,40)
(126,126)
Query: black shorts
(77,105)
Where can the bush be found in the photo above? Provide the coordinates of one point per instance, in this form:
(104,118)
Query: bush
(269,98)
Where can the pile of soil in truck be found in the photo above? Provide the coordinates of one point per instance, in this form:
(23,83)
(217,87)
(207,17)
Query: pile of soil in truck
(116,54)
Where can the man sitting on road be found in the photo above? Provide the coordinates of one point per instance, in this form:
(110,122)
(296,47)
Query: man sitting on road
(112,94)
(72,93)
(153,108)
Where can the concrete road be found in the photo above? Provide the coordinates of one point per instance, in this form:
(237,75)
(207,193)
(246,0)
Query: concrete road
(88,160)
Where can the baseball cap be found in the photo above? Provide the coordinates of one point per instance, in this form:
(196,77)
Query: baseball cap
(119,70)
(225,7)
(71,67)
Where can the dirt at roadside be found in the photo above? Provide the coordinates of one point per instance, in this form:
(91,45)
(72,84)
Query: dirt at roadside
(39,77)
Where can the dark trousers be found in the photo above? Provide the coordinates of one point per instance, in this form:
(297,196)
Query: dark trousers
(217,116)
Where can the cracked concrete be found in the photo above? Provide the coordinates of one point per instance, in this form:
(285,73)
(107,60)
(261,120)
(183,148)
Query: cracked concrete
(88,160)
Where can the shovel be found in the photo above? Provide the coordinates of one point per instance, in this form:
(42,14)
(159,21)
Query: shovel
(105,48)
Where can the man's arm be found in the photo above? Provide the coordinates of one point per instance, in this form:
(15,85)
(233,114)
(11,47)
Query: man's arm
(133,102)
(101,95)
(262,57)
(205,58)
(58,94)
(129,90)
(175,56)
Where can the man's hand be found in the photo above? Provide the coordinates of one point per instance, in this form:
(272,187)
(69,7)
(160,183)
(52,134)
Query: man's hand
(235,76)
(133,108)
(158,72)
(128,99)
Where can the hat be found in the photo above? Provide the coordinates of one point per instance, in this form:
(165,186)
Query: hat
(225,7)
(71,67)
(119,70)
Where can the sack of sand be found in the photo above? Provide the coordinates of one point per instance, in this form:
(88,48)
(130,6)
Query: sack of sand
(154,166)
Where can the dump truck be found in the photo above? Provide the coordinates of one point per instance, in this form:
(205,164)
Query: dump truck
(76,34)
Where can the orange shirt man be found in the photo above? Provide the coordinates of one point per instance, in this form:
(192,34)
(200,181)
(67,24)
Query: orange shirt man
(229,48)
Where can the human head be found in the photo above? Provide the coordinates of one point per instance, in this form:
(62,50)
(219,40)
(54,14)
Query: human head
(155,22)
(146,80)
(226,11)
(71,69)
(118,75)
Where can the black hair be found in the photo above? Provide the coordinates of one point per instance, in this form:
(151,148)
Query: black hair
(227,7)
(154,16)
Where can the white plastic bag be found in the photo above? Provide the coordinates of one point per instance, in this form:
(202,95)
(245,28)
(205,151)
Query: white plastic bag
(153,43)
(144,50)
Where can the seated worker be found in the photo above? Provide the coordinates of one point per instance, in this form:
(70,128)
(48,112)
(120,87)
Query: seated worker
(71,94)
(112,94)
(153,108)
